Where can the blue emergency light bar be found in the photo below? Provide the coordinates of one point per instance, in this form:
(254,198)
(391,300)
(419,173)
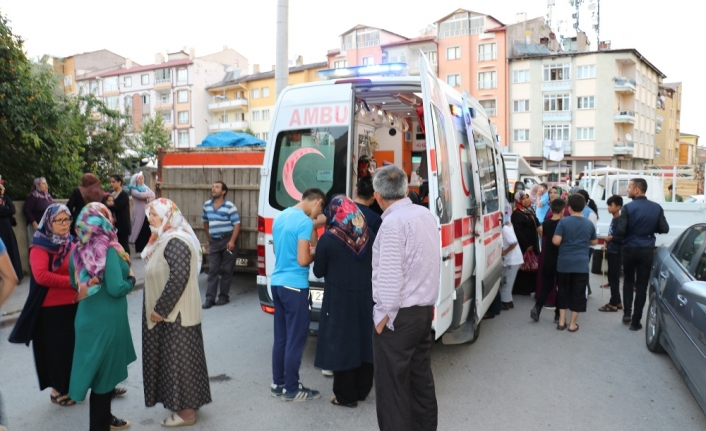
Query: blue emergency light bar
(387,69)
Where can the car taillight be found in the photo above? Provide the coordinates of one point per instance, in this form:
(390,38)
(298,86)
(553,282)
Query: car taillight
(267,309)
(261,248)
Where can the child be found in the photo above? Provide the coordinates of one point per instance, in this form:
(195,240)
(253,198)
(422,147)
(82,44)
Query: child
(573,235)
(512,261)
(614,256)
(550,255)
(108,201)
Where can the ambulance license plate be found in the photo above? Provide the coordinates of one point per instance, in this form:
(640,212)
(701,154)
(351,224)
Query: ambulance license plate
(241,261)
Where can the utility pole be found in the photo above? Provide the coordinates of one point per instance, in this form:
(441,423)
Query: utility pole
(282,66)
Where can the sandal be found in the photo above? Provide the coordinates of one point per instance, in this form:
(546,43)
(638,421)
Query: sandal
(118,424)
(608,307)
(174,420)
(335,402)
(561,328)
(574,330)
(62,400)
(119,391)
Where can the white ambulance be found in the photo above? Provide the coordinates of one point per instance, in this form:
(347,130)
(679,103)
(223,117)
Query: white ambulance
(319,130)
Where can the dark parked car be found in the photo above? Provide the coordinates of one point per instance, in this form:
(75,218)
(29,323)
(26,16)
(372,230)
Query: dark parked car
(676,317)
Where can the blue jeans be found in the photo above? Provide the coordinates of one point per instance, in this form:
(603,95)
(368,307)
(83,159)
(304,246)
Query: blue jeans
(292,316)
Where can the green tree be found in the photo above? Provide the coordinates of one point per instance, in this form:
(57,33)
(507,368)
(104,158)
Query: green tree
(152,137)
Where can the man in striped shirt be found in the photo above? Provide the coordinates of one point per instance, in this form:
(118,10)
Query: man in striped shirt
(222,224)
(406,272)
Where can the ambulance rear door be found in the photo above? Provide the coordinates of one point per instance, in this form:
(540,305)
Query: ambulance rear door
(438,130)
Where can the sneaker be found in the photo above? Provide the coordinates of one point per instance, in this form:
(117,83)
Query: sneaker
(222,301)
(635,326)
(276,390)
(627,318)
(118,424)
(208,304)
(327,373)
(302,394)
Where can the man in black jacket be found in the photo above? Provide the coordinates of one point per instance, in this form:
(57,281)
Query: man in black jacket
(639,221)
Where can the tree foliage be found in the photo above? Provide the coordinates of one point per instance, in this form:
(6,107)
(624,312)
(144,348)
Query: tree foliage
(152,137)
(44,133)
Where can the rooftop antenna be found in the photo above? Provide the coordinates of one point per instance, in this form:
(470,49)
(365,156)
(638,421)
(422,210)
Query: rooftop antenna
(575,16)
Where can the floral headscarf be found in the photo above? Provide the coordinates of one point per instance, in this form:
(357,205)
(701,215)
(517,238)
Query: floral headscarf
(45,238)
(173,225)
(96,234)
(133,183)
(91,188)
(37,192)
(518,203)
(347,223)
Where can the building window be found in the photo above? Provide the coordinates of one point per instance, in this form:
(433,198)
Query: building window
(256,115)
(184,117)
(167,117)
(265,114)
(453,53)
(110,84)
(488,52)
(162,75)
(223,118)
(586,102)
(67,81)
(128,81)
(487,80)
(255,93)
(182,75)
(490,107)
(520,76)
(112,102)
(587,72)
(557,72)
(431,56)
(520,135)
(556,102)
(145,99)
(145,79)
(183,139)
(93,87)
(461,24)
(368,61)
(128,105)
(264,136)
(454,80)
(165,98)
(340,64)
(265,91)
(557,132)
(584,134)
(182,96)
(520,106)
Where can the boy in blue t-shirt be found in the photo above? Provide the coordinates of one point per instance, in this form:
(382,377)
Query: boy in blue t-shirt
(292,233)
(573,235)
(614,255)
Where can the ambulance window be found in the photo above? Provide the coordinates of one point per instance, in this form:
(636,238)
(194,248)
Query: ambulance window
(465,157)
(444,211)
(486,173)
(307,158)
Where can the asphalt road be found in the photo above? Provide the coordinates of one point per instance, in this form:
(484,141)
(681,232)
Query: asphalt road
(519,375)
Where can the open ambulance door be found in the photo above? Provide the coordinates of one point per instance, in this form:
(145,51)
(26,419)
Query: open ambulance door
(437,128)
(488,214)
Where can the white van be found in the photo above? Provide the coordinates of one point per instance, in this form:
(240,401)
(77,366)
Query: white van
(319,131)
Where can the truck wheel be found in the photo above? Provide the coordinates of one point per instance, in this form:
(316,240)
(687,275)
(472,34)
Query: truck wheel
(654,327)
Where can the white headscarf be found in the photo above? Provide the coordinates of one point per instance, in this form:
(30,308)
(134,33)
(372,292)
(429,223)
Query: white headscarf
(173,225)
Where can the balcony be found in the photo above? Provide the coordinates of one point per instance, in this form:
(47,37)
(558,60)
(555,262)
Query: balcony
(624,147)
(228,105)
(658,152)
(659,118)
(235,125)
(556,116)
(487,56)
(625,117)
(658,126)
(562,85)
(491,112)
(485,85)
(163,104)
(624,85)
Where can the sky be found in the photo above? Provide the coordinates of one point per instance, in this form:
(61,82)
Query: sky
(665,32)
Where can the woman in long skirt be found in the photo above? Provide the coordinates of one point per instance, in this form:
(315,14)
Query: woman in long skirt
(526,226)
(141,196)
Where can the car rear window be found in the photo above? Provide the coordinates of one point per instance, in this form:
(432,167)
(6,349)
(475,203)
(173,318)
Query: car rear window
(306,158)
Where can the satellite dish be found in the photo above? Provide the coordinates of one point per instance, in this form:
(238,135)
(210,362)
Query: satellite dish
(628,137)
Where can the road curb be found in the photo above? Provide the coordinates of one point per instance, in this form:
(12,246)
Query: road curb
(12,316)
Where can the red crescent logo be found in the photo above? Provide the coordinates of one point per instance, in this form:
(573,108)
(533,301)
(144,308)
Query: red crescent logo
(288,170)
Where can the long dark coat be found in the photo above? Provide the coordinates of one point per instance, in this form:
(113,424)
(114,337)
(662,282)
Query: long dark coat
(345,339)
(7,211)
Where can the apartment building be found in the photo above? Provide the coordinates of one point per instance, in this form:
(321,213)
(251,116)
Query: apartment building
(240,103)
(174,87)
(78,66)
(362,45)
(599,106)
(667,124)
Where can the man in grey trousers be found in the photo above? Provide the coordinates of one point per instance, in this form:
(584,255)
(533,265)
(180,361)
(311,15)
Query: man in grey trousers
(222,224)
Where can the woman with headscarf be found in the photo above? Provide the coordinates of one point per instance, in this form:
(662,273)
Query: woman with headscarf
(47,319)
(141,195)
(36,203)
(90,191)
(121,211)
(527,229)
(590,211)
(173,359)
(7,234)
(345,345)
(100,272)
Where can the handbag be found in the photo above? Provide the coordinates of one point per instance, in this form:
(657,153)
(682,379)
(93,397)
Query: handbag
(531,261)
